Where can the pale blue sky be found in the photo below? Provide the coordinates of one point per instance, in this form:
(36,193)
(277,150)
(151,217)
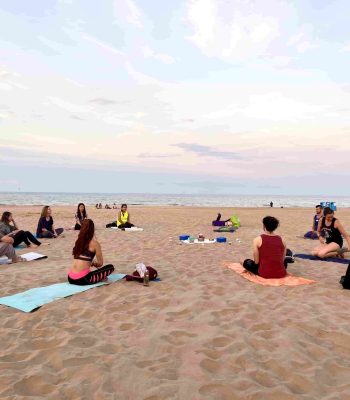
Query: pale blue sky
(191,96)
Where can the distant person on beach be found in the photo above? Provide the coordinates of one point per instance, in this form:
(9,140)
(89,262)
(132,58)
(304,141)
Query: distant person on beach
(86,249)
(330,233)
(271,204)
(115,207)
(80,216)
(108,207)
(100,206)
(11,234)
(269,253)
(123,219)
(313,233)
(46,227)
(7,250)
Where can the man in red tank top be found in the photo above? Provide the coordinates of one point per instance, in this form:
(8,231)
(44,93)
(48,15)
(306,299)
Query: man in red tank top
(269,252)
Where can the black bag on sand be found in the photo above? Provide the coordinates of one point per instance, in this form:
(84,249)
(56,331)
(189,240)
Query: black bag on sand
(345,280)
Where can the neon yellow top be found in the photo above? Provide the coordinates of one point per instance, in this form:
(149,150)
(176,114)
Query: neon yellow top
(124,217)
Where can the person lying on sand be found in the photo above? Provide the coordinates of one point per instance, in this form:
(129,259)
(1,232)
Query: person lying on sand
(330,233)
(269,253)
(10,233)
(86,248)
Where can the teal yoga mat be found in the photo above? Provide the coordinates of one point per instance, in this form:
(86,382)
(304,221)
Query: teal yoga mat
(32,299)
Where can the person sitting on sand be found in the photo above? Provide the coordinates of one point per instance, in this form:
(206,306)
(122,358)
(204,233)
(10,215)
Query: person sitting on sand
(46,227)
(80,216)
(269,252)
(123,219)
(10,233)
(330,232)
(6,249)
(313,233)
(86,248)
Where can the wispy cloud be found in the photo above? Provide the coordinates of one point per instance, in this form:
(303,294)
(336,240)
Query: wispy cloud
(206,151)
(128,10)
(163,57)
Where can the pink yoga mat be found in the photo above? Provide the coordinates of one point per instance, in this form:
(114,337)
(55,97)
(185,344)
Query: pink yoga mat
(288,280)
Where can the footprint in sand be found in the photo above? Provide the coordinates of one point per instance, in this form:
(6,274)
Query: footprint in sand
(217,391)
(178,337)
(33,386)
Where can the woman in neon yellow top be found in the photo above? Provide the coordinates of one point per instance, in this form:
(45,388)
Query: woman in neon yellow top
(123,220)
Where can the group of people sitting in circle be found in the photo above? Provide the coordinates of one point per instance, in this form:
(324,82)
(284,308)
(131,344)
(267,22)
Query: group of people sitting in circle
(88,266)
(270,253)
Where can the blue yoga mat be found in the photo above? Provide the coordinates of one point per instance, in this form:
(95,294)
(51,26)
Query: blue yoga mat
(34,298)
(330,259)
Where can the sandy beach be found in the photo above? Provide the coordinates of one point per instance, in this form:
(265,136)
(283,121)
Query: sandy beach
(202,332)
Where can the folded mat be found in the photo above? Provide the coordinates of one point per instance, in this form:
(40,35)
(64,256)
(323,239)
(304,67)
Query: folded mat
(329,259)
(196,241)
(288,280)
(34,298)
(225,229)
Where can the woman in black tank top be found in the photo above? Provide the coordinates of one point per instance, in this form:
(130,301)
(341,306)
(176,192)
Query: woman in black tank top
(330,232)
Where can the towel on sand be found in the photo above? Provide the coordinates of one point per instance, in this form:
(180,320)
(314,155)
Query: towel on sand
(288,280)
(329,259)
(34,298)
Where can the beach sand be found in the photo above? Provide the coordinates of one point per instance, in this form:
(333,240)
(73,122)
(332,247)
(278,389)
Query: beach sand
(202,332)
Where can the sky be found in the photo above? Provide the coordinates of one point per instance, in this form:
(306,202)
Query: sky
(175,96)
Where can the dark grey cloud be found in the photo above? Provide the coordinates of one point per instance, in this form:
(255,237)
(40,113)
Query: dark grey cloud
(208,151)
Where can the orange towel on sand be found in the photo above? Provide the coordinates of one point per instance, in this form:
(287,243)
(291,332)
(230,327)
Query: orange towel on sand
(288,280)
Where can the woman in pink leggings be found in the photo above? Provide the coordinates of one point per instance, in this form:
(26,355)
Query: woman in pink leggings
(85,250)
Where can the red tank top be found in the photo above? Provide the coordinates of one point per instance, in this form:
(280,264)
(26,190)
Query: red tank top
(271,255)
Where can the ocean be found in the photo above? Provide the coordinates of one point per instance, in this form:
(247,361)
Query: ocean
(30,198)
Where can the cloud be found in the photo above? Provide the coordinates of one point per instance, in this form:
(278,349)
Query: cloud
(102,45)
(129,11)
(269,106)
(241,30)
(102,101)
(207,151)
(153,155)
(140,77)
(150,53)
(345,48)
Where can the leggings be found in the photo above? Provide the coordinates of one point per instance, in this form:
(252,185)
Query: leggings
(26,237)
(121,226)
(49,234)
(93,276)
(251,266)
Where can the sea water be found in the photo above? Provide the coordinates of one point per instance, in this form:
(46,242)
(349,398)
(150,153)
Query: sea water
(143,199)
